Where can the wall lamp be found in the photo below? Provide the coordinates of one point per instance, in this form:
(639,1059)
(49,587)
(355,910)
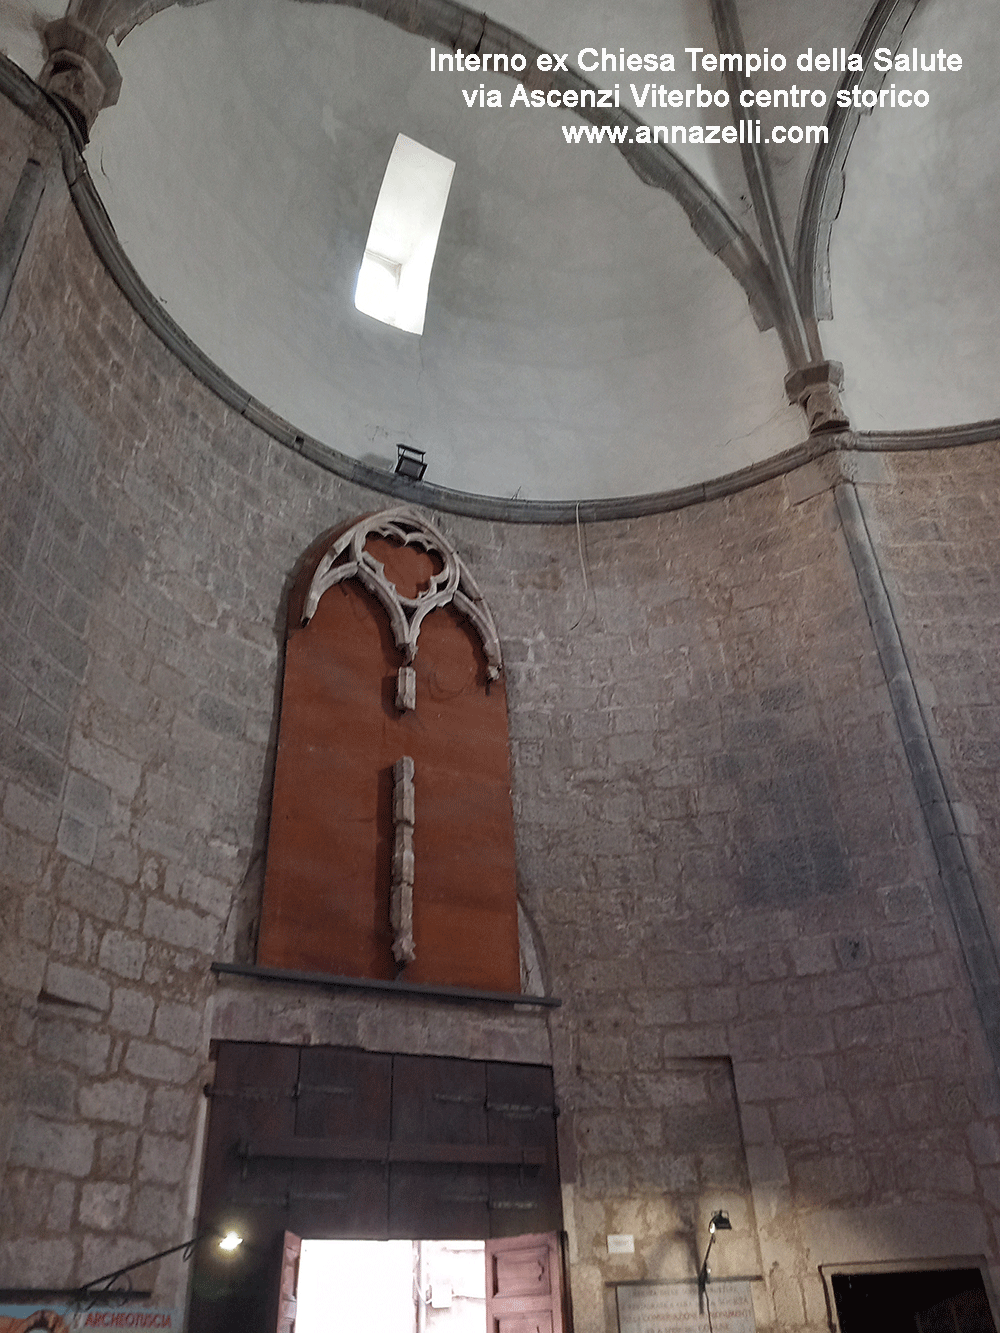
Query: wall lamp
(719,1222)
(103,1287)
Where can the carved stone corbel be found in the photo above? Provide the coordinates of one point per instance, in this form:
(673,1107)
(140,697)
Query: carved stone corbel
(816,389)
(80,71)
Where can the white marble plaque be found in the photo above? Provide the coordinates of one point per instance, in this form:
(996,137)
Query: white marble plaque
(672,1307)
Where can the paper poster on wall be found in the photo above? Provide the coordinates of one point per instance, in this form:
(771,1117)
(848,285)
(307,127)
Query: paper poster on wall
(674,1307)
(55,1318)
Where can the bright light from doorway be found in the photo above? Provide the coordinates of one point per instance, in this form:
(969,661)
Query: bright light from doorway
(396,269)
(395,1286)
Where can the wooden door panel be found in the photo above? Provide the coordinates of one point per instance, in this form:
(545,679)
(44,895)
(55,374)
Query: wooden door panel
(520,1112)
(524,1285)
(288,1283)
(340,1200)
(523,1272)
(343,1093)
(438,1202)
(523,1323)
(253,1099)
(438,1100)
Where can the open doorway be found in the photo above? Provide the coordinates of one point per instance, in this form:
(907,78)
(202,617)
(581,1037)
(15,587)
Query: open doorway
(394,1286)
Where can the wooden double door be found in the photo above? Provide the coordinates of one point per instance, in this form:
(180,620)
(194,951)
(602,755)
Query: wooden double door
(336,1143)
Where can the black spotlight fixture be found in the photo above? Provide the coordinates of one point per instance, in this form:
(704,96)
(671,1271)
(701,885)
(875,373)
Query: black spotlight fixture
(410,462)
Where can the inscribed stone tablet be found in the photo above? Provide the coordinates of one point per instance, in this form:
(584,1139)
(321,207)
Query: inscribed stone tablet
(672,1307)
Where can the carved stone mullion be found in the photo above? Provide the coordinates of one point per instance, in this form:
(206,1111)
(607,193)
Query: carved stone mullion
(400,625)
(406,689)
(401,901)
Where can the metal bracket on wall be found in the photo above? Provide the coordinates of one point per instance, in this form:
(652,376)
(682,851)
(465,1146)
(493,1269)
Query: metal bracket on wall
(379,1150)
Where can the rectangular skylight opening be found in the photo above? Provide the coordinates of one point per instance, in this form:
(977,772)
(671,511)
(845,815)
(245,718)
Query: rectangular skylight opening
(396,269)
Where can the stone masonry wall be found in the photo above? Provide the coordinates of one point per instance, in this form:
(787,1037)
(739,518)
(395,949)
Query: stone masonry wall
(718,841)
(721,847)
(142,571)
(939,533)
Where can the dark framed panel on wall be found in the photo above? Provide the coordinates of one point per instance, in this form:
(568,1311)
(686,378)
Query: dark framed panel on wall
(945,1295)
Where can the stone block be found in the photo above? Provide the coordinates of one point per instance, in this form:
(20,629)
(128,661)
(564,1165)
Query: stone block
(65,931)
(105,765)
(106,1253)
(52,1145)
(77,986)
(61,1207)
(777,1079)
(842,990)
(180,926)
(807,1034)
(93,894)
(117,1100)
(156,1212)
(213,896)
(220,716)
(163,1159)
(904,902)
(36,919)
(22,858)
(22,966)
(12,696)
(104,1205)
(812,956)
(70,1043)
(171,1110)
(123,954)
(132,1011)
(50,1092)
(41,722)
(834,1179)
(64,647)
(180,1025)
(31,813)
(33,1262)
(34,765)
(86,798)
(984,1142)
(756,1124)
(148,1060)
(116,1154)
(811,1119)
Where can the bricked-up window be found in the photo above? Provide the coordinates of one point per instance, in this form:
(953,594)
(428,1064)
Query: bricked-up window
(391,845)
(395,272)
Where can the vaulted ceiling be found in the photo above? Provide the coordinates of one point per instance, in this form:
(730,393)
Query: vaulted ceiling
(602,321)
